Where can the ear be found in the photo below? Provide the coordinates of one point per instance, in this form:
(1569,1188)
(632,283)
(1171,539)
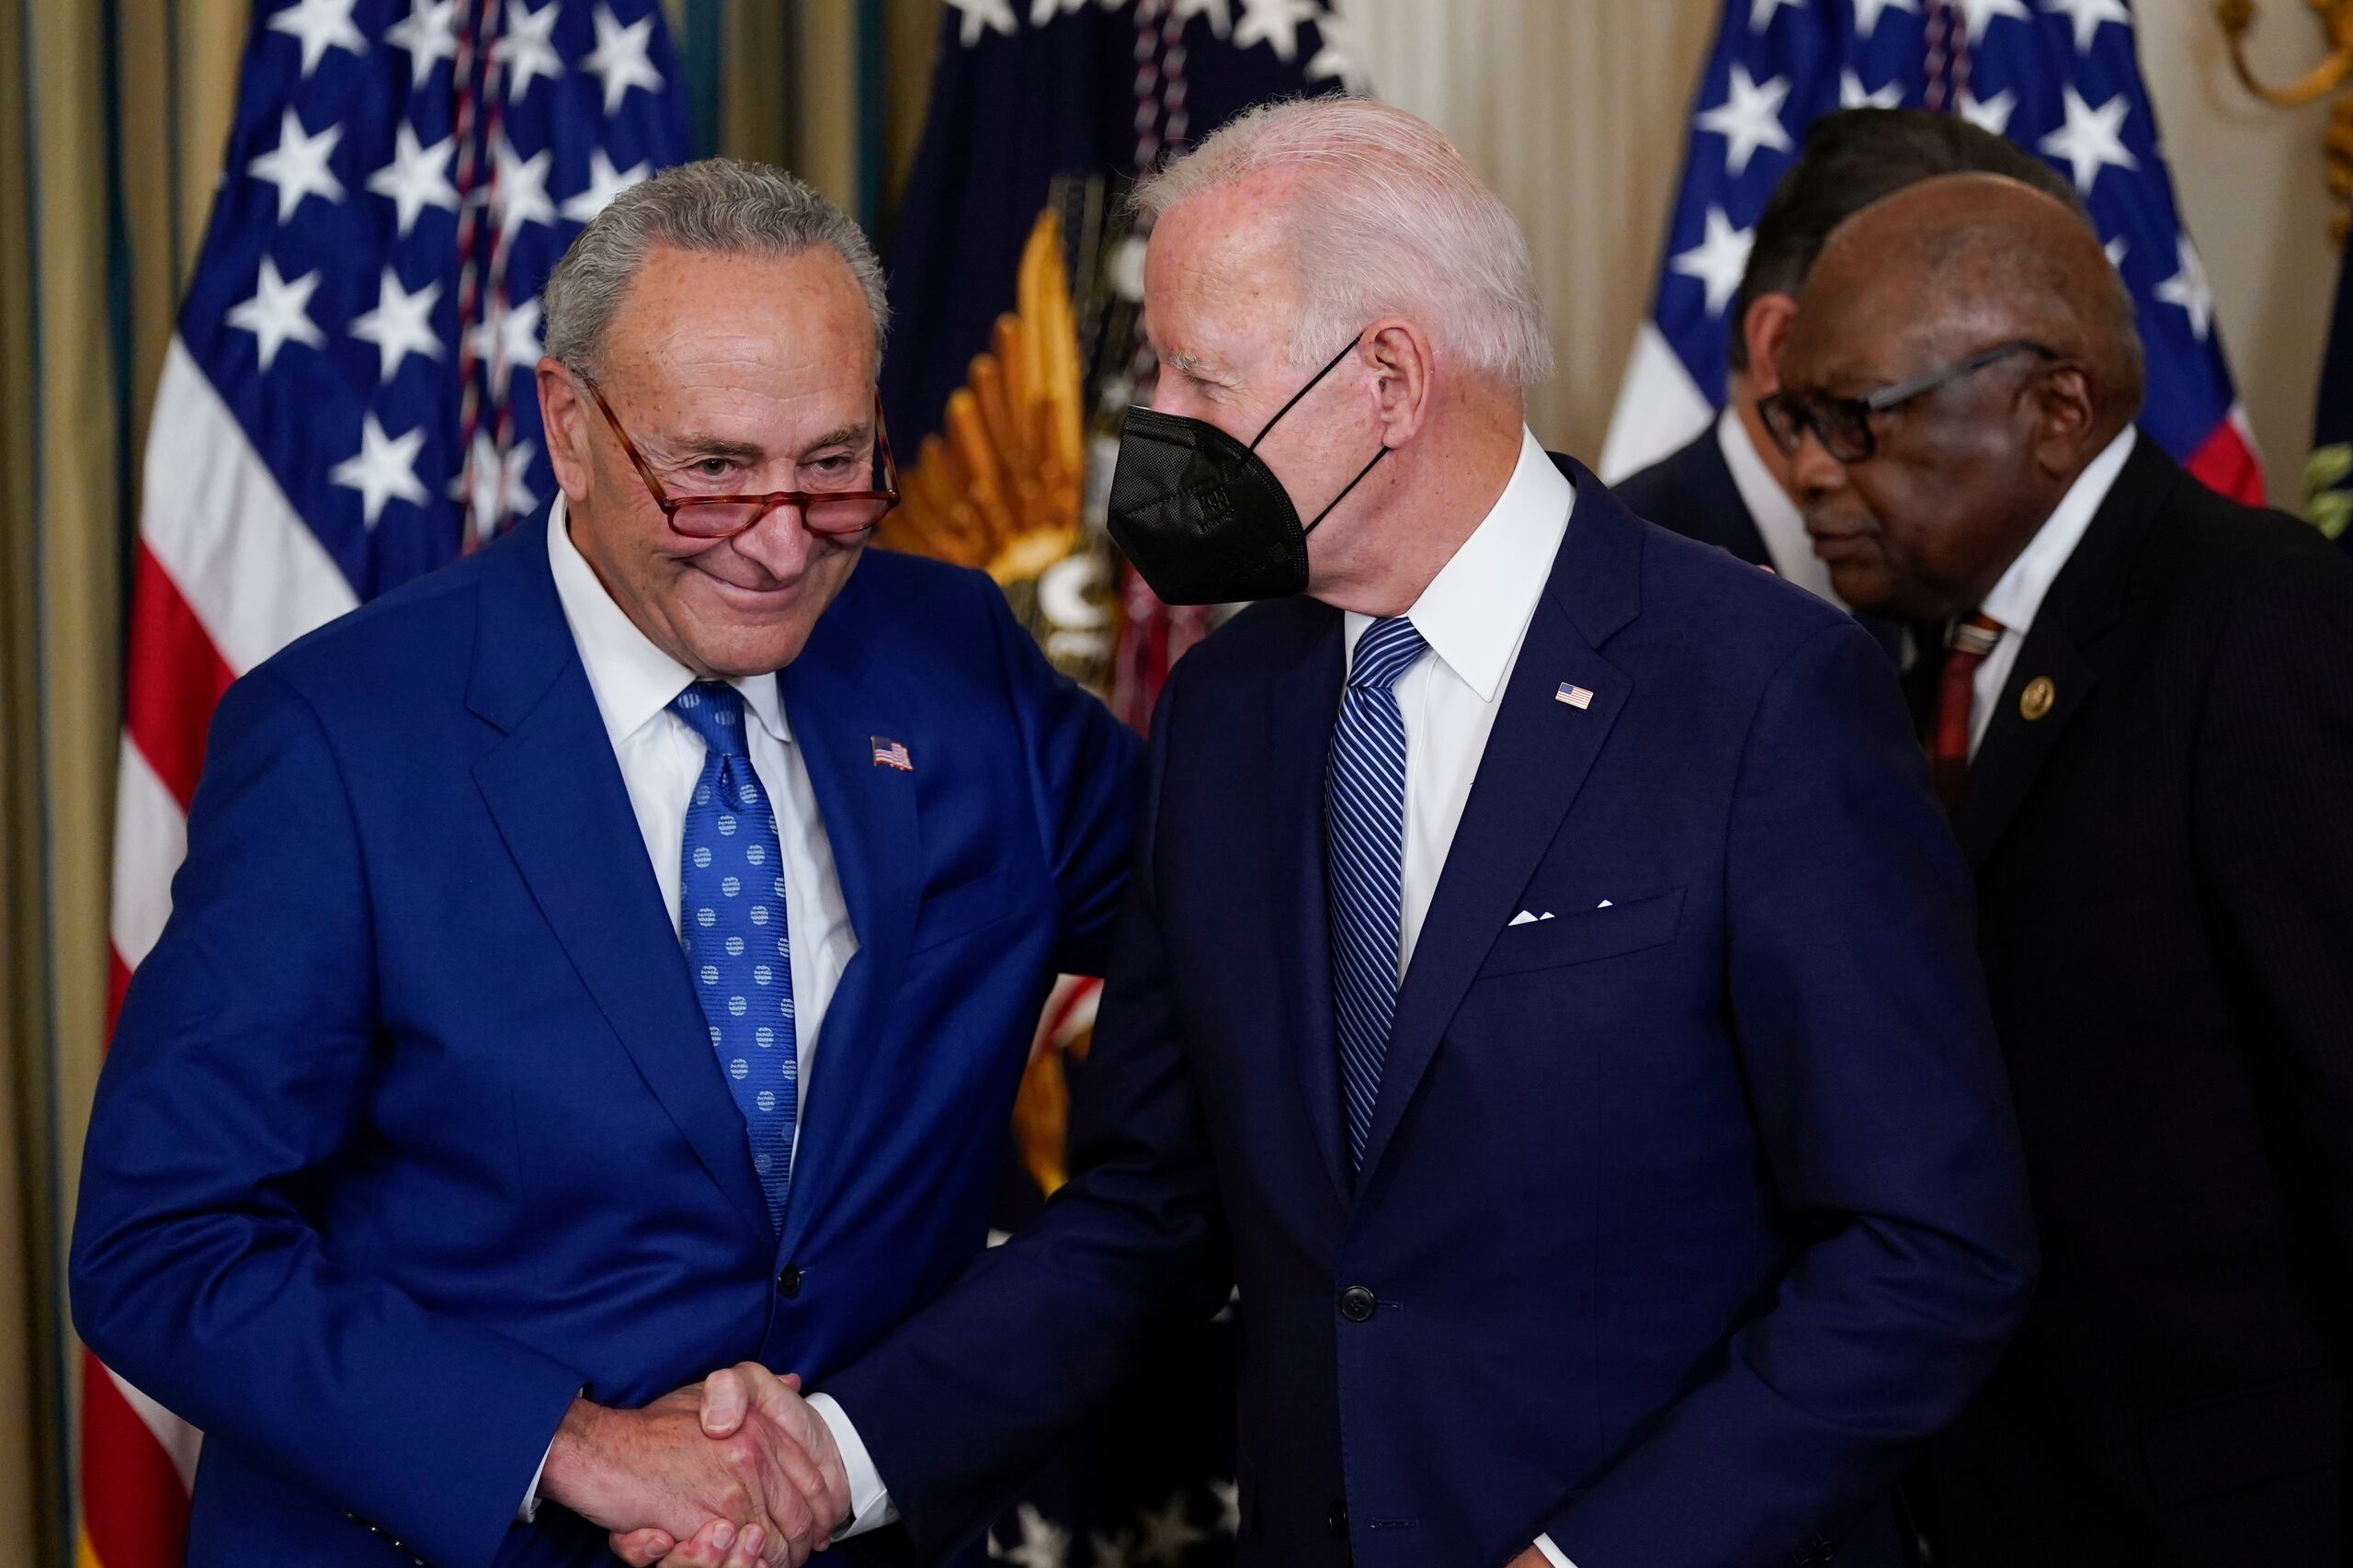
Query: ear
(2067,417)
(565,414)
(1399,353)
(1766,330)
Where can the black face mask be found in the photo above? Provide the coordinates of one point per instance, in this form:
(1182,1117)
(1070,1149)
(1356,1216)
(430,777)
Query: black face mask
(1202,517)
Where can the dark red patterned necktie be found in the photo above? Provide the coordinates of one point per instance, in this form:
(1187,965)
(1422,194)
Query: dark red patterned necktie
(1966,646)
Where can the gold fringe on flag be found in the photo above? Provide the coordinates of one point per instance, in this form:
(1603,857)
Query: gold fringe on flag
(1000,489)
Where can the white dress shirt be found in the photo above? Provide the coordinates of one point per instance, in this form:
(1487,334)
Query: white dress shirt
(2018,597)
(661,756)
(1777,520)
(1474,615)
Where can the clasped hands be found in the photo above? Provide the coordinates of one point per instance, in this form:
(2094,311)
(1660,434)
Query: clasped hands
(733,1473)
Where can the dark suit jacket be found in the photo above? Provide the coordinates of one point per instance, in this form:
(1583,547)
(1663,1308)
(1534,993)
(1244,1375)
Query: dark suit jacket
(411,1127)
(2164,871)
(1691,491)
(1685,1217)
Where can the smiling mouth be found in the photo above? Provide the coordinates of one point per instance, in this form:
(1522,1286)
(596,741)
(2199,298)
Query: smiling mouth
(752,591)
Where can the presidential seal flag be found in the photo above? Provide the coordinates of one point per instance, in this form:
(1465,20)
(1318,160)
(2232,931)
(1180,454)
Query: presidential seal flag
(2059,77)
(347,403)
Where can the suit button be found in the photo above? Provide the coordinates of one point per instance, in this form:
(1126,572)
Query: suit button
(1338,1520)
(1358,1304)
(788,1283)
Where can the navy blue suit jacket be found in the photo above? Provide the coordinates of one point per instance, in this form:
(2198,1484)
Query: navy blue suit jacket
(1691,491)
(411,1129)
(1683,1219)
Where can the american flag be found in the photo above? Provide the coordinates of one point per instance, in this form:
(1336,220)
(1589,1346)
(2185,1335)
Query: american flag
(348,402)
(2059,77)
(892,754)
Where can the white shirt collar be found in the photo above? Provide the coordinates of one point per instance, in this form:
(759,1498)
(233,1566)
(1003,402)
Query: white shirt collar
(1776,518)
(632,679)
(2018,597)
(1475,611)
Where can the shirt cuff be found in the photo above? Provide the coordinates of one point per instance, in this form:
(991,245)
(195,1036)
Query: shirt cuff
(530,1512)
(870,1501)
(1553,1555)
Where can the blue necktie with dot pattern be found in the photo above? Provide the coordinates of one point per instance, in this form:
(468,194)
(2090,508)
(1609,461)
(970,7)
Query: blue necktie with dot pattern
(732,919)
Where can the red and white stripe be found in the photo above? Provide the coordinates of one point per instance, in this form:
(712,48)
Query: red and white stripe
(226,574)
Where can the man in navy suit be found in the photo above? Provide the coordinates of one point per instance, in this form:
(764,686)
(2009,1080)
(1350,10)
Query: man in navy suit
(1730,486)
(1544,988)
(610,958)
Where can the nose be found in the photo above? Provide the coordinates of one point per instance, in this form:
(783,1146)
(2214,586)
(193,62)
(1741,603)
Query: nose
(1815,473)
(1168,396)
(779,543)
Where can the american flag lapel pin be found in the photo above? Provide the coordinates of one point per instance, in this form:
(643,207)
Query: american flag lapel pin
(891,753)
(1574,696)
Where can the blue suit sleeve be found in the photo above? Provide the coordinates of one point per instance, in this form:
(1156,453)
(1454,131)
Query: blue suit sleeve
(240,1076)
(965,1402)
(1881,1103)
(1082,773)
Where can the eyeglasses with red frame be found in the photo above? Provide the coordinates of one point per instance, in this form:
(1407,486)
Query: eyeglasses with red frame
(834,514)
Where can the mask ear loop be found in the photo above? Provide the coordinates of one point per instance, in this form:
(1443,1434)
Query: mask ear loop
(1344,493)
(1346,349)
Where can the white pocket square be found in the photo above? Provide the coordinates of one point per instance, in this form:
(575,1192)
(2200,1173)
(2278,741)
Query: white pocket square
(1525,918)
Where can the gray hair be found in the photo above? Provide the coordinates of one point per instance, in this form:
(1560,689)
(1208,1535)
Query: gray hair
(1391,221)
(721,206)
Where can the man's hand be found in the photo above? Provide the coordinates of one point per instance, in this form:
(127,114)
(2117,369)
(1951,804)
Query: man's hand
(748,1401)
(655,1470)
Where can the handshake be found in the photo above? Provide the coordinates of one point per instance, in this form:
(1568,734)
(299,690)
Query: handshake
(733,1473)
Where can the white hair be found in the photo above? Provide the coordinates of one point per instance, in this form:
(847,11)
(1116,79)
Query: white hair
(1389,221)
(721,206)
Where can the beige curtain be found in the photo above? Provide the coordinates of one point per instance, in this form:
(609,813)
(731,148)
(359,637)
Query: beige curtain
(1575,111)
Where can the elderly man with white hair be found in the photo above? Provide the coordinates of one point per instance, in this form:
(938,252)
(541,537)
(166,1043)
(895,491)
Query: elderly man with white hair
(1545,991)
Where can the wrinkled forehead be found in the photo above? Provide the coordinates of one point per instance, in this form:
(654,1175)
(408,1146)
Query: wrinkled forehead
(1223,259)
(781,320)
(1865,327)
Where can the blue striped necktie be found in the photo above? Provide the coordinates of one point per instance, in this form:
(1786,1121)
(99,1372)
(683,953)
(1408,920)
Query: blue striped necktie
(730,916)
(1364,848)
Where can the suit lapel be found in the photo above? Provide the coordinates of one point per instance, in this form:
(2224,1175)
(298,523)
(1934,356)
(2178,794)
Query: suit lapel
(556,791)
(2083,602)
(1293,742)
(2014,748)
(1537,758)
(837,713)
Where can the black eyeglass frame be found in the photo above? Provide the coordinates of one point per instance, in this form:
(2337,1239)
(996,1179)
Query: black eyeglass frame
(1843,425)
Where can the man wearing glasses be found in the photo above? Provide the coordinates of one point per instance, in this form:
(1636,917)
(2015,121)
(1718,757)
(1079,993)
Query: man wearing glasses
(2143,728)
(611,959)
(1730,486)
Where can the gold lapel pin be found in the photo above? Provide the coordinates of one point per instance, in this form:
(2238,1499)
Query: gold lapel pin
(2037,699)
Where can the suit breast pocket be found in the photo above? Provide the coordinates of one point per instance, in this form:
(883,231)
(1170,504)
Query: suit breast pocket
(1587,934)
